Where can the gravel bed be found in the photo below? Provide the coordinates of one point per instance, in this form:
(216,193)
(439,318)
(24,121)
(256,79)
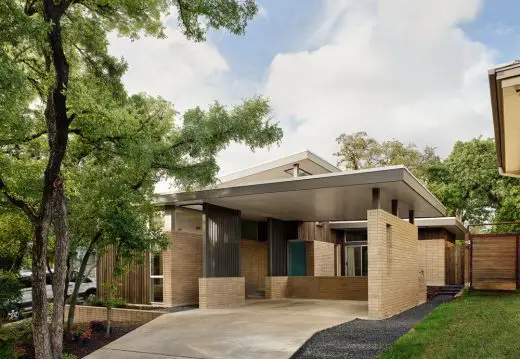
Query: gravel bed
(363,339)
(180,308)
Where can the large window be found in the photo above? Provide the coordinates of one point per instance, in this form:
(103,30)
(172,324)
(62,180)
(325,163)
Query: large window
(156,277)
(356,260)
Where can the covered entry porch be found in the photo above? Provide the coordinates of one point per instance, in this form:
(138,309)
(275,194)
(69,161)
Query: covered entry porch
(304,257)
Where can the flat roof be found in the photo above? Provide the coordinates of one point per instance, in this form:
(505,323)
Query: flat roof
(451,224)
(326,197)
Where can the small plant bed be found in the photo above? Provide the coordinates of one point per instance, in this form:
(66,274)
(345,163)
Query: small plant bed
(81,347)
(16,341)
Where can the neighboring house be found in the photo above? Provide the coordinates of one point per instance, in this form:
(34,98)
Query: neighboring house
(504,85)
(284,229)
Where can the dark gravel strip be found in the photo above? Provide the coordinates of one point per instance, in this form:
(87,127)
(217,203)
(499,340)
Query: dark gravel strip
(181,308)
(363,339)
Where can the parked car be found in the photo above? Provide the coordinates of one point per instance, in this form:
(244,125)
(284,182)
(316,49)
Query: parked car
(87,290)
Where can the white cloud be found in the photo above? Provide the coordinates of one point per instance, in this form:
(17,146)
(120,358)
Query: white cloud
(400,69)
(186,73)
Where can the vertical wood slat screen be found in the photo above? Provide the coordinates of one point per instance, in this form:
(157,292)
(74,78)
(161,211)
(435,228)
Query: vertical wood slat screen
(134,287)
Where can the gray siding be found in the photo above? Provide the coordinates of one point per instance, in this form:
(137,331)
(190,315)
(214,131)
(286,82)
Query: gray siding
(221,241)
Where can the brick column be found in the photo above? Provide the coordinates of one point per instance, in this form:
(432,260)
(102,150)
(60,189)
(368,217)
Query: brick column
(393,265)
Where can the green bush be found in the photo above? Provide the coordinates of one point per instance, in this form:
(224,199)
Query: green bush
(7,350)
(69,356)
(10,290)
(114,303)
(16,332)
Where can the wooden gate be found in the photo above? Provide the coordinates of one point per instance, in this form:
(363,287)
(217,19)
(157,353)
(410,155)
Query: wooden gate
(454,264)
(494,261)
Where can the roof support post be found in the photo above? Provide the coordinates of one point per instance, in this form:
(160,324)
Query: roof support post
(295,169)
(411,216)
(395,207)
(376,198)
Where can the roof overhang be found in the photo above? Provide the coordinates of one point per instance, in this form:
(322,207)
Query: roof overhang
(451,224)
(504,86)
(309,162)
(326,197)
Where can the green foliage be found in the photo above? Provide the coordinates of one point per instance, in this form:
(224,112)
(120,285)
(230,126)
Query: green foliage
(7,350)
(69,356)
(18,332)
(113,303)
(359,151)
(10,289)
(15,236)
(468,183)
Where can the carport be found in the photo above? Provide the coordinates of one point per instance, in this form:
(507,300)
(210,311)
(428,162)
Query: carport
(259,329)
(382,196)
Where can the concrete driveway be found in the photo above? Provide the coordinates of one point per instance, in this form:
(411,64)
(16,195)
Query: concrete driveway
(261,329)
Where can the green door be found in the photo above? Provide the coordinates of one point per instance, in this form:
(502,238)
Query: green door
(297,258)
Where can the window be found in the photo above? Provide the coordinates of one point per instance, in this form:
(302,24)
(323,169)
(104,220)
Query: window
(356,260)
(156,276)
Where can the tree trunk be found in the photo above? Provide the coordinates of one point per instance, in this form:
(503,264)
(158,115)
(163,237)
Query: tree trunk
(61,230)
(39,293)
(109,314)
(79,279)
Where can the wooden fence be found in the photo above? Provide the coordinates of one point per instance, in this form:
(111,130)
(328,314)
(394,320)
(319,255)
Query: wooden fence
(494,261)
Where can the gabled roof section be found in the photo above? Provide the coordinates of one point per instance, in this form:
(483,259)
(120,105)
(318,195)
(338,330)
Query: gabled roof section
(308,162)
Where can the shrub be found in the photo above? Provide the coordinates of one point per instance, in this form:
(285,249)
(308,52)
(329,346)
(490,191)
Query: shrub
(10,290)
(97,326)
(114,303)
(7,350)
(69,356)
(86,334)
(17,332)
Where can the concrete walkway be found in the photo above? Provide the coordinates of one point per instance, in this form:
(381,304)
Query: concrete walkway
(259,330)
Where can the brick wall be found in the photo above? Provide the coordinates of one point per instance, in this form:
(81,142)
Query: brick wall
(275,287)
(85,314)
(253,264)
(221,292)
(346,288)
(432,260)
(323,259)
(393,265)
(182,268)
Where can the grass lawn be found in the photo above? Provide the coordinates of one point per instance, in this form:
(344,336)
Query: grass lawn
(478,325)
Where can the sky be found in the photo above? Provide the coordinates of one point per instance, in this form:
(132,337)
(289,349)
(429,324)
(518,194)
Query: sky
(413,70)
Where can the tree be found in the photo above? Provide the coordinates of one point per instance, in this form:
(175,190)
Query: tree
(117,210)
(57,80)
(469,185)
(359,151)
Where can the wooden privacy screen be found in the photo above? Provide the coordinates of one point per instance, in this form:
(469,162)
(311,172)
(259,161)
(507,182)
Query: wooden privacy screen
(134,287)
(494,261)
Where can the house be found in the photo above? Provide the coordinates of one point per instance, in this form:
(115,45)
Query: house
(504,85)
(297,227)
